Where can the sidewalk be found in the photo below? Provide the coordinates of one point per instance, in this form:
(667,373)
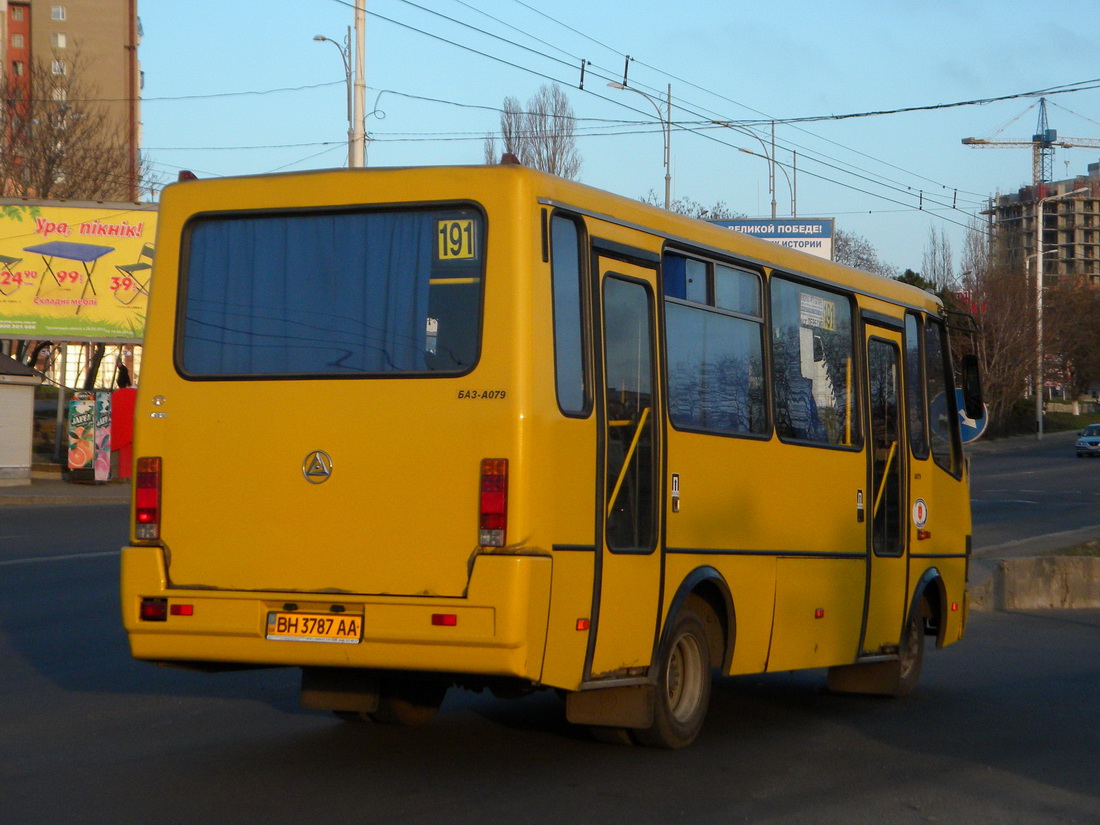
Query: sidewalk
(55,491)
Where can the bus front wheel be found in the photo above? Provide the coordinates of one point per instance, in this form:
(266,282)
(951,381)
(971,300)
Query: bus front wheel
(683,685)
(911,650)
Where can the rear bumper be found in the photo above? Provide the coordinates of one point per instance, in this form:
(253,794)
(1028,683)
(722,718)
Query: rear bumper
(499,627)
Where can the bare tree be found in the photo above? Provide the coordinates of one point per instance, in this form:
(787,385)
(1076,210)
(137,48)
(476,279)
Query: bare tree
(1071,310)
(57,141)
(938,264)
(693,208)
(996,293)
(855,250)
(541,136)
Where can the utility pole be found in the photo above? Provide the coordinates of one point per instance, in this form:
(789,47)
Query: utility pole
(358,137)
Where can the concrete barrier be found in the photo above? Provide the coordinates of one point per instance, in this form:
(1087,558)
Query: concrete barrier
(1041,583)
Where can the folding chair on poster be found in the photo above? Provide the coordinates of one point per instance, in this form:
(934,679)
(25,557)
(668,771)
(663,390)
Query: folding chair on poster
(6,263)
(131,270)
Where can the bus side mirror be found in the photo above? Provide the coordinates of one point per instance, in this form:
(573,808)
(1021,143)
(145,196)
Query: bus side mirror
(973,403)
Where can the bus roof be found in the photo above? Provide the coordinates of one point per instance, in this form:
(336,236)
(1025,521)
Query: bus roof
(588,200)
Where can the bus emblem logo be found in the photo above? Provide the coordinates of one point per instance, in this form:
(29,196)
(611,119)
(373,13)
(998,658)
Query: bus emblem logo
(317,467)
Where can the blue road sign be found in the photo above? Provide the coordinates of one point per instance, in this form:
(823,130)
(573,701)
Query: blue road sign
(972,428)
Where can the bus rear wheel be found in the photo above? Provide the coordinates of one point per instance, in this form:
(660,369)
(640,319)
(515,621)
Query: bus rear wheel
(683,685)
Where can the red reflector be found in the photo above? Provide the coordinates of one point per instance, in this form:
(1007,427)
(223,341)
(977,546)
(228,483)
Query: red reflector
(444,619)
(584,624)
(924,535)
(954,607)
(182,610)
(153,610)
(493,502)
(819,614)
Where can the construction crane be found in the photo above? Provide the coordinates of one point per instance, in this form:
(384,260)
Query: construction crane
(1042,145)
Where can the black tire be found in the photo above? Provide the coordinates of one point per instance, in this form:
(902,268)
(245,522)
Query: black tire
(911,649)
(409,702)
(683,685)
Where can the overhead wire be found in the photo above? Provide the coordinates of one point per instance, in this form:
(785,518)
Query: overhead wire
(863,174)
(807,153)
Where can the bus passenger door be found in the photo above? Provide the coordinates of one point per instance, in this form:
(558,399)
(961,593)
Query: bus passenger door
(887,588)
(628,588)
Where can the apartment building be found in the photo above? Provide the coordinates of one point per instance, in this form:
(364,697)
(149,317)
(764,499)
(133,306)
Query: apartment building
(104,33)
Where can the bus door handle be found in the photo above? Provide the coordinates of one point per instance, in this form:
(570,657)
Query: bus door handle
(860,515)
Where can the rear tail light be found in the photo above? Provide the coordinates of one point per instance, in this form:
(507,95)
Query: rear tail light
(154,610)
(494,502)
(147,499)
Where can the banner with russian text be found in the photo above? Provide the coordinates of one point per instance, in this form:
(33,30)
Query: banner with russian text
(811,235)
(75,272)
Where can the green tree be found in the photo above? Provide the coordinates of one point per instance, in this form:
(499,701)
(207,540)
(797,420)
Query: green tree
(916,279)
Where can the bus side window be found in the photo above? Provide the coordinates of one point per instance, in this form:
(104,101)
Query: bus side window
(715,349)
(566,273)
(914,389)
(812,365)
(946,449)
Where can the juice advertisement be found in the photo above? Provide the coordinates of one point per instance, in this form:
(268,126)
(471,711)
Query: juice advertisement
(102,436)
(82,415)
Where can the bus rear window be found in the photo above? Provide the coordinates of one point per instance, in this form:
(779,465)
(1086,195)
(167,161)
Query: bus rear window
(331,293)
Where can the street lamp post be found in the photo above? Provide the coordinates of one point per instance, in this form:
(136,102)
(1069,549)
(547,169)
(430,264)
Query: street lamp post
(771,182)
(353,79)
(772,164)
(1039,305)
(666,129)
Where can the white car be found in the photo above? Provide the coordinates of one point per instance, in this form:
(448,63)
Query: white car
(1088,442)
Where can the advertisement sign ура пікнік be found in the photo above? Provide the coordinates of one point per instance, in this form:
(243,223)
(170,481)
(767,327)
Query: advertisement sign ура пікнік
(75,272)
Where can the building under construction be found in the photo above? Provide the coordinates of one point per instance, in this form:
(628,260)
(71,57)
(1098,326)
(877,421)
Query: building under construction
(1070,241)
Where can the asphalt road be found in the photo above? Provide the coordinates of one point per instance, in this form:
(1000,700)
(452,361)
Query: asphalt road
(1030,495)
(1004,728)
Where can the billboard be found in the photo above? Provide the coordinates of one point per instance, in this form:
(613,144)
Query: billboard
(75,272)
(812,235)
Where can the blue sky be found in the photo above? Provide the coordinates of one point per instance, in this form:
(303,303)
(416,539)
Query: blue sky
(240,87)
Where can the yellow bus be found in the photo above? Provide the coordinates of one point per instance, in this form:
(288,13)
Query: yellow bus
(407,429)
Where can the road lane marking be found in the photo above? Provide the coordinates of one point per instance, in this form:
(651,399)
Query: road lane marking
(69,557)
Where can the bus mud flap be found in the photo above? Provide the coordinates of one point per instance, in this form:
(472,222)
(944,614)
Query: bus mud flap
(630,706)
(339,688)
